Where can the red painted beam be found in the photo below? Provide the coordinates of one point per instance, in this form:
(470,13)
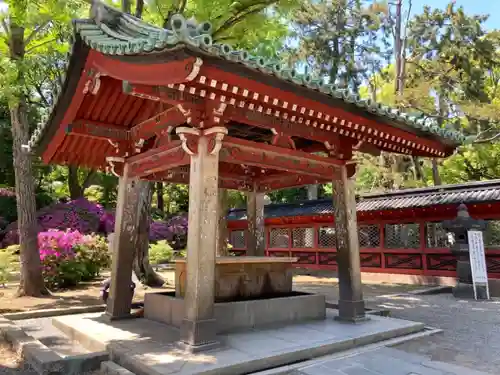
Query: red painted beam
(270,183)
(162,73)
(213,73)
(158,159)
(158,124)
(165,94)
(235,150)
(98,130)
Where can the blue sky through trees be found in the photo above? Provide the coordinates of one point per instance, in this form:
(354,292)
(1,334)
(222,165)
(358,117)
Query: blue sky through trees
(487,7)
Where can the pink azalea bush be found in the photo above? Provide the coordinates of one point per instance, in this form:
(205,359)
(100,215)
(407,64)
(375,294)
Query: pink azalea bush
(69,257)
(80,215)
(88,217)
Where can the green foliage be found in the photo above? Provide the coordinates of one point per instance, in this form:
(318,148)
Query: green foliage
(343,42)
(160,252)
(94,256)
(7,263)
(8,208)
(472,163)
(259,26)
(83,262)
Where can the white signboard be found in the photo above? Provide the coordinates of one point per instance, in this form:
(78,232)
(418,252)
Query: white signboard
(478,261)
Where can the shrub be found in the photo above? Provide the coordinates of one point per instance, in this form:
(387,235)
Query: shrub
(70,257)
(160,252)
(8,209)
(89,217)
(78,215)
(93,254)
(7,259)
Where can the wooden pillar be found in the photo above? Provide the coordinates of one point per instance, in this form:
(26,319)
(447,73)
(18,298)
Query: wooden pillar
(120,293)
(312,192)
(222,232)
(256,231)
(198,328)
(351,304)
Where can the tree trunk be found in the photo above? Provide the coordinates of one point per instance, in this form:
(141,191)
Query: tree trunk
(222,232)
(31,283)
(75,189)
(139,8)
(419,173)
(126,6)
(159,196)
(398,88)
(435,173)
(142,268)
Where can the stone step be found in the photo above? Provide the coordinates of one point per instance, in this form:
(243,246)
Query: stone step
(111,368)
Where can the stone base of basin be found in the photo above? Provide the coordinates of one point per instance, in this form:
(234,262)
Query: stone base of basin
(241,315)
(241,278)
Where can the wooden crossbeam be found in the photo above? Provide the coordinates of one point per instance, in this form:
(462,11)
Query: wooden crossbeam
(158,124)
(98,130)
(158,159)
(286,180)
(235,150)
(163,93)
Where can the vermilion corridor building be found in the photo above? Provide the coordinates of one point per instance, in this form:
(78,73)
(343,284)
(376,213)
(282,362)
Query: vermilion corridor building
(399,232)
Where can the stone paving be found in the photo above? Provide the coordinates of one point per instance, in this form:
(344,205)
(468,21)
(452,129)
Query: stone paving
(471,330)
(471,334)
(382,361)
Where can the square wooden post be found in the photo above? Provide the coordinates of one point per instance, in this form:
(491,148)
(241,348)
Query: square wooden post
(351,304)
(198,329)
(256,230)
(120,293)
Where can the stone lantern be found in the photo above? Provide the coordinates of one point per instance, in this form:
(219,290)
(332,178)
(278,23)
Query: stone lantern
(460,248)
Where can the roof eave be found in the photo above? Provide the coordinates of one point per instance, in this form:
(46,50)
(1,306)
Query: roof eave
(64,95)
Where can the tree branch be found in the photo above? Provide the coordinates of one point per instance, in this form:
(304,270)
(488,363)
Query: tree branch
(34,33)
(487,140)
(28,50)
(259,6)
(6,28)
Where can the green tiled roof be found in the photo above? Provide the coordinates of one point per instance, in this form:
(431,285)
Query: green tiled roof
(112,32)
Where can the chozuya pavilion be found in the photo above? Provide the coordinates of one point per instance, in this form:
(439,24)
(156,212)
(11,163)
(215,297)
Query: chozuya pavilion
(170,105)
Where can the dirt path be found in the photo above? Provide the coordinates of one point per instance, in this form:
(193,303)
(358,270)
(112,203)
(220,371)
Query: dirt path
(86,294)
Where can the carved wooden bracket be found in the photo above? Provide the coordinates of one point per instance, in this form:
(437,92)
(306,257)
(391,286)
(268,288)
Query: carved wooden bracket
(282,140)
(189,138)
(93,84)
(339,150)
(215,135)
(112,160)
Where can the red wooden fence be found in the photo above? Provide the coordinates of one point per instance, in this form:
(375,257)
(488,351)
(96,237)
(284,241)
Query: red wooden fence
(411,246)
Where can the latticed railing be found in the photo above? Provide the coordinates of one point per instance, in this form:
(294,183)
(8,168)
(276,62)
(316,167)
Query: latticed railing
(369,235)
(278,238)
(327,238)
(237,239)
(302,238)
(436,236)
(402,236)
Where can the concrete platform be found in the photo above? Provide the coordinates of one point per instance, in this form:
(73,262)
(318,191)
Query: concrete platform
(148,348)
